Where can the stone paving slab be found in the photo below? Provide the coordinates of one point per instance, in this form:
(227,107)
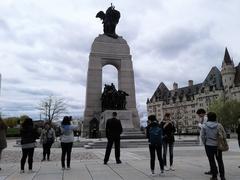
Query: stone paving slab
(190,164)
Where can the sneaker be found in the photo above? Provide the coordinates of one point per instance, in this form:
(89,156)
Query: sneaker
(162,171)
(119,161)
(152,171)
(68,168)
(22,171)
(208,173)
(171,168)
(166,168)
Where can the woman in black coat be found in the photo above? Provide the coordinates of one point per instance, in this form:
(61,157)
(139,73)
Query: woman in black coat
(28,141)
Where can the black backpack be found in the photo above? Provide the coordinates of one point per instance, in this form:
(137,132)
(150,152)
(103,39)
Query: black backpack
(155,135)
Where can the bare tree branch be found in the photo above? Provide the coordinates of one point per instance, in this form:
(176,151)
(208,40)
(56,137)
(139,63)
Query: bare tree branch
(52,107)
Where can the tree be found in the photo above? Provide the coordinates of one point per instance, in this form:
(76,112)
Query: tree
(227,111)
(11,121)
(52,107)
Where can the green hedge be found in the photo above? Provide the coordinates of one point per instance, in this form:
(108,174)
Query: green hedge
(13,132)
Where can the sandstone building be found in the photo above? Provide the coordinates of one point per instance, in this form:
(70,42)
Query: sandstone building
(183,102)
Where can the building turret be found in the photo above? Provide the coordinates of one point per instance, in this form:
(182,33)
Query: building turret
(228,71)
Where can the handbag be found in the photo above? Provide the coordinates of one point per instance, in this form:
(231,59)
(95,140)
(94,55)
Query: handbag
(222,144)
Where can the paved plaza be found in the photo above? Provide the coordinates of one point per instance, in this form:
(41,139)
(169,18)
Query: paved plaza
(87,164)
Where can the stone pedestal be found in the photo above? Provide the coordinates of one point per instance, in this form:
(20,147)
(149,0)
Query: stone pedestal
(124,116)
(108,51)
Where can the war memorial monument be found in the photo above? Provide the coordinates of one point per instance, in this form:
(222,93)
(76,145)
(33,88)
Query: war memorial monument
(110,49)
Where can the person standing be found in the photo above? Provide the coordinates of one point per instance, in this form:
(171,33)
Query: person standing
(28,141)
(209,138)
(203,119)
(3,141)
(154,135)
(168,139)
(238,133)
(113,132)
(47,138)
(67,139)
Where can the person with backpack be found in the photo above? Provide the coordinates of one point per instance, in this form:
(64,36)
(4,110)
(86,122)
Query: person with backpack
(209,135)
(168,140)
(67,139)
(47,138)
(28,135)
(154,135)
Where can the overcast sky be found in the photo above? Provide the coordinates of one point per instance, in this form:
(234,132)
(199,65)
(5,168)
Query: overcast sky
(45,45)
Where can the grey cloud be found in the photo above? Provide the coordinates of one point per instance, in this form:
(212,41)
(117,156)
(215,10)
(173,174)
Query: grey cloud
(37,92)
(176,41)
(3,25)
(13,81)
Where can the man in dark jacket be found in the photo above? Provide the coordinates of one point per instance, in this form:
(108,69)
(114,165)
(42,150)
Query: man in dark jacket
(113,131)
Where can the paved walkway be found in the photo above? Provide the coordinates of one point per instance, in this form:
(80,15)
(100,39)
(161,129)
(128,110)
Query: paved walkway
(190,164)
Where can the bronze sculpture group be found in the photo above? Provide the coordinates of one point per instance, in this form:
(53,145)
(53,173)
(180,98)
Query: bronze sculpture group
(113,99)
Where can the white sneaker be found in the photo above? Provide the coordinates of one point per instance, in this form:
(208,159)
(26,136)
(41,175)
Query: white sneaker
(162,173)
(166,168)
(171,168)
(22,171)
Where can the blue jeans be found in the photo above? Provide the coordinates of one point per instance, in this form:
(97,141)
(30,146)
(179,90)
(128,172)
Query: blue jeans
(170,146)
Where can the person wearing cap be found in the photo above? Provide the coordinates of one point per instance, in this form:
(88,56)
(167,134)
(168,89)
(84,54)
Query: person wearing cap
(113,132)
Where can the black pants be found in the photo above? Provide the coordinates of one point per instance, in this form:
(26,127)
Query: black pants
(158,149)
(212,153)
(46,150)
(208,157)
(165,146)
(110,142)
(66,149)
(27,153)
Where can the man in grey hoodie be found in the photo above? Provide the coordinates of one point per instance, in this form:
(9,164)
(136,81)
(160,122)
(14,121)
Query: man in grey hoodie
(209,139)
